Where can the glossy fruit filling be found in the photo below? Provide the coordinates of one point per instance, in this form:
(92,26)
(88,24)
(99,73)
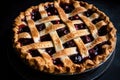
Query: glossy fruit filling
(67,7)
(96,20)
(80,26)
(50,51)
(35,15)
(34,53)
(88,13)
(58,62)
(87,38)
(63,31)
(102,31)
(68,44)
(45,38)
(57,21)
(23,28)
(76,58)
(40,27)
(25,41)
(51,10)
(76,17)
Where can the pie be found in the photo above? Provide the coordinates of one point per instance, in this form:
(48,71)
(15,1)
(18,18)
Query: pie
(63,36)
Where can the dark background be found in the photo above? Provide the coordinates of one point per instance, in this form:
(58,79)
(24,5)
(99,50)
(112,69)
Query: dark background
(10,9)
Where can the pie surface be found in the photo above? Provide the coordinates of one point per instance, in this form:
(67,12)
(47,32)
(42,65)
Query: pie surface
(64,36)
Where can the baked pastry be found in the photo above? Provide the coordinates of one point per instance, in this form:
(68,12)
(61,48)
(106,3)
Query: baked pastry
(64,36)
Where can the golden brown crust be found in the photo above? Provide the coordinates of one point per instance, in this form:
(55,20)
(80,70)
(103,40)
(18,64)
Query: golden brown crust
(45,61)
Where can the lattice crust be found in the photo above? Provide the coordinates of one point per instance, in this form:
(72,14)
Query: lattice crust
(35,50)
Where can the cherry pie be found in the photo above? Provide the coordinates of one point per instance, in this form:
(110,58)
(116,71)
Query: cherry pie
(64,36)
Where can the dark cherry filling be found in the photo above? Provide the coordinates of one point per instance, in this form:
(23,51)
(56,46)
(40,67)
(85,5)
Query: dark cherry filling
(76,58)
(45,38)
(93,52)
(50,51)
(51,10)
(68,44)
(96,20)
(67,7)
(23,28)
(97,50)
(25,41)
(58,62)
(87,38)
(80,26)
(76,17)
(34,53)
(35,15)
(102,31)
(63,31)
(88,13)
(57,21)
(40,27)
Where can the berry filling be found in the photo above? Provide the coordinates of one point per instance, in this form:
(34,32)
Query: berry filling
(67,7)
(51,10)
(76,58)
(58,62)
(57,21)
(50,51)
(40,27)
(96,20)
(93,52)
(80,26)
(63,31)
(23,28)
(76,17)
(45,38)
(102,31)
(97,50)
(87,38)
(69,44)
(88,13)
(25,41)
(34,53)
(35,15)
